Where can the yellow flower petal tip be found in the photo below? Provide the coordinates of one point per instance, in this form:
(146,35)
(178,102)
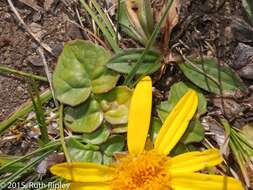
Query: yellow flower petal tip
(194,161)
(139,116)
(176,123)
(198,181)
(83,172)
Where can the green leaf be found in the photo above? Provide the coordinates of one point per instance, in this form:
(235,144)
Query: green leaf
(128,26)
(180,148)
(119,128)
(84,118)
(125,60)
(194,133)
(156,125)
(205,74)
(113,144)
(107,160)
(97,137)
(247,131)
(81,70)
(83,153)
(5,159)
(145,15)
(176,92)
(115,104)
(163,109)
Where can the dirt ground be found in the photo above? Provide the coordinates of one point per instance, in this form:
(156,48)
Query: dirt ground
(215,28)
(206,27)
(20,51)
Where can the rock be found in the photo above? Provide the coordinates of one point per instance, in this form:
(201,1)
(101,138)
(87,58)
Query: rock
(242,30)
(73,31)
(243,61)
(49,161)
(230,107)
(35,60)
(31,3)
(57,48)
(246,72)
(37,30)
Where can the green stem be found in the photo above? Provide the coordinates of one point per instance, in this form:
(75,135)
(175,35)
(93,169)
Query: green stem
(49,146)
(23,110)
(65,150)
(39,112)
(104,18)
(106,33)
(15,176)
(149,45)
(23,74)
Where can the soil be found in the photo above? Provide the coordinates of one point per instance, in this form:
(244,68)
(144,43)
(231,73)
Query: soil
(19,50)
(205,28)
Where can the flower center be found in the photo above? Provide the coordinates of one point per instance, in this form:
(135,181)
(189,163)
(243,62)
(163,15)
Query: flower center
(146,171)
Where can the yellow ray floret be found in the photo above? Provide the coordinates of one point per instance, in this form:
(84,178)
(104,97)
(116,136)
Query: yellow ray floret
(139,116)
(197,181)
(194,161)
(83,172)
(176,123)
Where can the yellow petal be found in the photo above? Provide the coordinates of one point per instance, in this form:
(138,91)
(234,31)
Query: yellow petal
(176,123)
(197,181)
(139,116)
(83,172)
(194,161)
(89,186)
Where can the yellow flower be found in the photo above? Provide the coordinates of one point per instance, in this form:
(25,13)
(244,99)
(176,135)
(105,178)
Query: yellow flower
(152,169)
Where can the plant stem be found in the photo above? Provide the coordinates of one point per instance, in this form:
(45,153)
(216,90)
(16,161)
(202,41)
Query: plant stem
(23,74)
(104,17)
(23,110)
(50,146)
(65,150)
(15,176)
(40,115)
(149,44)
(101,26)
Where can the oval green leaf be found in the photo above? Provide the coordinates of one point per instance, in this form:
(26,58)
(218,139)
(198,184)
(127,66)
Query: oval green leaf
(119,128)
(206,73)
(125,60)
(84,118)
(113,144)
(97,137)
(115,105)
(81,70)
(83,153)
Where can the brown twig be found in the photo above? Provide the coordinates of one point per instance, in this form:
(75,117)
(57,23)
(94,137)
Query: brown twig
(49,75)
